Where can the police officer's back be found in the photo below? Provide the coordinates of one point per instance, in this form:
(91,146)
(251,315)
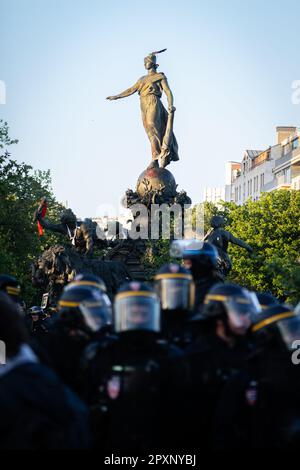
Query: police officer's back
(176,289)
(220,349)
(84,312)
(37,412)
(136,378)
(201,258)
(262,400)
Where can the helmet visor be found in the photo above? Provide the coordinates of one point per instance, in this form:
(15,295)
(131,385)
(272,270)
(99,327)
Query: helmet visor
(176,294)
(241,311)
(97,314)
(137,313)
(290,331)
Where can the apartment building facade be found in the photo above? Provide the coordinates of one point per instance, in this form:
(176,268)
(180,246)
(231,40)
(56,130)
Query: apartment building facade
(260,171)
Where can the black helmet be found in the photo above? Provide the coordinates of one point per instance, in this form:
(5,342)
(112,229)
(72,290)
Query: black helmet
(136,308)
(84,307)
(201,257)
(266,300)
(218,221)
(11,286)
(175,287)
(36,311)
(88,280)
(278,321)
(234,303)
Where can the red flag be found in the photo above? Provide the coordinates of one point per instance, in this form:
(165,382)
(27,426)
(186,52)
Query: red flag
(43,212)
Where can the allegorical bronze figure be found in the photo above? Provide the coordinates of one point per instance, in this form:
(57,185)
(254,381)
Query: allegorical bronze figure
(220,238)
(158,122)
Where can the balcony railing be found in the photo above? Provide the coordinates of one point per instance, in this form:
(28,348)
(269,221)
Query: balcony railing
(285,159)
(276,183)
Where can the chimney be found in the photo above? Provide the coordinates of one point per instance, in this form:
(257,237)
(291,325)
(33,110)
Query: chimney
(284,132)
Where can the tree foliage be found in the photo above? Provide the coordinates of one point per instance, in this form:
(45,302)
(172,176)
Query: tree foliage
(21,188)
(271,226)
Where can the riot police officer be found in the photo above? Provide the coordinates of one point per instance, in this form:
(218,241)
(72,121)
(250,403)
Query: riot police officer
(263,398)
(11,286)
(83,312)
(37,411)
(220,349)
(94,282)
(202,260)
(37,323)
(176,289)
(136,379)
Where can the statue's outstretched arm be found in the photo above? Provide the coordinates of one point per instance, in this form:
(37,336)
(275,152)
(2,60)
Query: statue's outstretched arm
(169,95)
(239,242)
(130,91)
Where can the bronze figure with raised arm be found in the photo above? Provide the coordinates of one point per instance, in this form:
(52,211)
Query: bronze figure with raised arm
(157,121)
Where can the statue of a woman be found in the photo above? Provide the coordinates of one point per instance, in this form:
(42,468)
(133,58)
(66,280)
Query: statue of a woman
(158,122)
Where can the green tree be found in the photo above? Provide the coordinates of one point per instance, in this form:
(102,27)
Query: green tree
(271,226)
(21,188)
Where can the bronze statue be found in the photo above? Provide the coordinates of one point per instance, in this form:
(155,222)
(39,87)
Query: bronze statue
(158,122)
(58,265)
(220,238)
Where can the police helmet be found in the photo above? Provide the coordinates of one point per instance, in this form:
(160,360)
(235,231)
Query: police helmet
(279,321)
(266,300)
(136,308)
(88,279)
(11,286)
(85,307)
(234,303)
(175,287)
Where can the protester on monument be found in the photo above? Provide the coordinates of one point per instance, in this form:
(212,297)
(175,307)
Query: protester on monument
(219,350)
(136,379)
(262,400)
(176,289)
(37,412)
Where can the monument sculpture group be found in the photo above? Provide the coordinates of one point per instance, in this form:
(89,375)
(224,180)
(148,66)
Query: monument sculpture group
(156,185)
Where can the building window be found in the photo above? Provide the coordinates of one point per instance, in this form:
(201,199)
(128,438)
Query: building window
(295,143)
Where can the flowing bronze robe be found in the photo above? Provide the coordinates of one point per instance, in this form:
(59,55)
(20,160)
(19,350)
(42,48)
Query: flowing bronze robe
(155,116)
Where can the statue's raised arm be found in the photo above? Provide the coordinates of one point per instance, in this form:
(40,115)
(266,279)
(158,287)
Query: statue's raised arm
(130,91)
(157,121)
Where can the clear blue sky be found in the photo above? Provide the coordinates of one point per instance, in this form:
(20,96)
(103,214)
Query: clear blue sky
(230,65)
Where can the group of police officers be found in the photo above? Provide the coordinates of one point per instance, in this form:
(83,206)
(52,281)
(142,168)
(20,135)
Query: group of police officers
(188,362)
